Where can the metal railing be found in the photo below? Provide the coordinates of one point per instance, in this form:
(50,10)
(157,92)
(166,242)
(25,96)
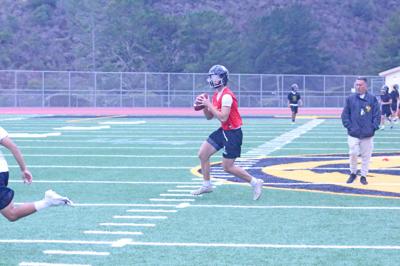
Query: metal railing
(20,88)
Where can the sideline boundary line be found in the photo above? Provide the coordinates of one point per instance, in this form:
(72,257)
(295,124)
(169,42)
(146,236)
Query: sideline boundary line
(206,245)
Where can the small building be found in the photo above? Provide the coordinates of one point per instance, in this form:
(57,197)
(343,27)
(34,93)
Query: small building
(392,76)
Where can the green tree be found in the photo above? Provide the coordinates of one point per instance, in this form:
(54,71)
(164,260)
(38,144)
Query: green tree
(85,18)
(204,39)
(363,9)
(134,37)
(286,41)
(7,40)
(36,38)
(386,53)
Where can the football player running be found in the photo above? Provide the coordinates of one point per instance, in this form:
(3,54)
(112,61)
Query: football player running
(224,107)
(7,207)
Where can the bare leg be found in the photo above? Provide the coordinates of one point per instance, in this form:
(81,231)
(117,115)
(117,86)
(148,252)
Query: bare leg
(230,167)
(205,152)
(13,213)
(257,184)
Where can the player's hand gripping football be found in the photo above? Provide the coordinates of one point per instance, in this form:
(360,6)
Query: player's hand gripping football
(199,102)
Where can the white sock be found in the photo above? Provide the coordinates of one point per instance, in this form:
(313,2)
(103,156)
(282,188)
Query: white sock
(253,181)
(206,183)
(41,204)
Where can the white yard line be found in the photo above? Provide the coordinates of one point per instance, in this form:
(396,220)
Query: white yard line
(124,242)
(139,217)
(176,195)
(106,167)
(187,204)
(54,241)
(179,190)
(121,242)
(173,136)
(13,119)
(123,123)
(169,167)
(154,141)
(75,252)
(97,232)
(151,211)
(265,246)
(171,200)
(185,186)
(321,207)
(111,182)
(315,169)
(127,224)
(73,128)
(34,135)
(24,263)
(109,147)
(327,149)
(122,205)
(106,155)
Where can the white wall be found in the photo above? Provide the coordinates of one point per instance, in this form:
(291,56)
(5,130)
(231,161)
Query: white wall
(392,79)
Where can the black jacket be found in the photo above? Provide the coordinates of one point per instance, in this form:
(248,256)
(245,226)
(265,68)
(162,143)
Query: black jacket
(360,116)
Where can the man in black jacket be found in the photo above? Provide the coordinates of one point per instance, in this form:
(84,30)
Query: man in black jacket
(361,116)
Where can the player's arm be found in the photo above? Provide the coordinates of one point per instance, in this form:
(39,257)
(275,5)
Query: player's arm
(220,115)
(10,145)
(346,113)
(225,110)
(208,114)
(376,114)
(388,102)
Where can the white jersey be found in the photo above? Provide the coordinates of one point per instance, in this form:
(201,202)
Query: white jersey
(3,162)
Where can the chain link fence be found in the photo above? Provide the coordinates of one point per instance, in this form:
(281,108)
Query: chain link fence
(130,89)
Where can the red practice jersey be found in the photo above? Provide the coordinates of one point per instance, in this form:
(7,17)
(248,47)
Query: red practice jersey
(234,120)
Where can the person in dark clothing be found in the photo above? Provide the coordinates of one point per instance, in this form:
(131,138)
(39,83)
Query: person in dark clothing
(294,100)
(386,102)
(361,117)
(394,94)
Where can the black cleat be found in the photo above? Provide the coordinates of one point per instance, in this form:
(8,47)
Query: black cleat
(363,180)
(351,179)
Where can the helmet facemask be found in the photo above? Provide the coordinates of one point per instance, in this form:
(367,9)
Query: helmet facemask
(385,90)
(294,87)
(217,76)
(215,81)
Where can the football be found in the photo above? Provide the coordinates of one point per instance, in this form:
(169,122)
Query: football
(197,106)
